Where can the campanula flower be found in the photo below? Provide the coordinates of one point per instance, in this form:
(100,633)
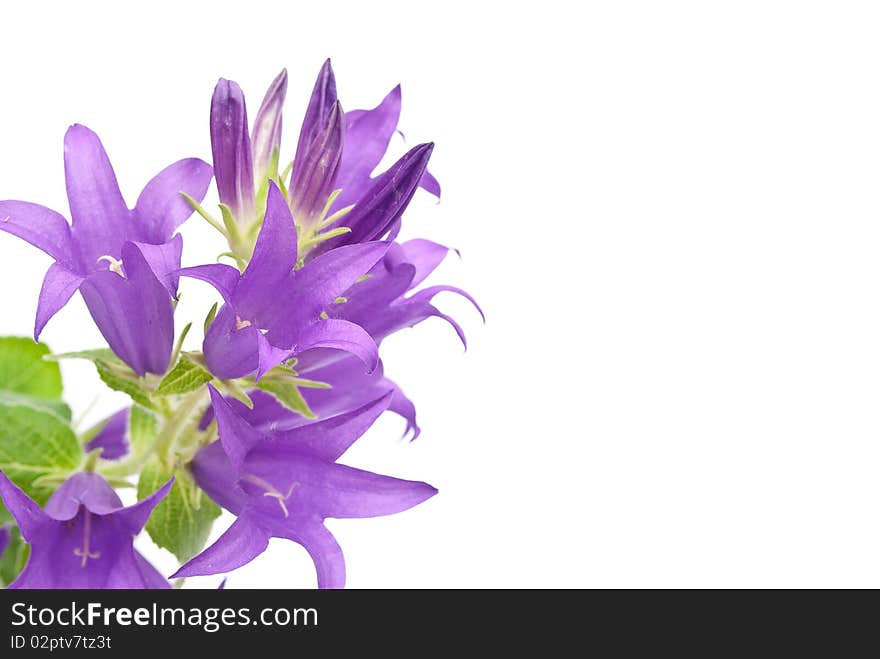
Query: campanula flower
(83,537)
(274,312)
(285,484)
(119,258)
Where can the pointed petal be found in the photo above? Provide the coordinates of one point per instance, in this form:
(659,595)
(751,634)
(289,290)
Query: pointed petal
(27,514)
(266,136)
(367,134)
(425,256)
(135,517)
(101,220)
(231,146)
(430,184)
(112,438)
(236,435)
(230,352)
(340,335)
(381,206)
(59,285)
(164,261)
(215,475)
(153,580)
(269,356)
(402,406)
(222,277)
(134,313)
(318,284)
(242,543)
(161,208)
(274,255)
(325,552)
(314,176)
(41,227)
(330,438)
(357,493)
(322,99)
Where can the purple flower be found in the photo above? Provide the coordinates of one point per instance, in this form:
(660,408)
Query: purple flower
(120,259)
(4,538)
(112,438)
(274,312)
(83,538)
(285,484)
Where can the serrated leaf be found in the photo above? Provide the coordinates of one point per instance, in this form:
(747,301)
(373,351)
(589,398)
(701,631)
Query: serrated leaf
(182,522)
(13,559)
(285,391)
(186,376)
(24,371)
(104,354)
(117,379)
(35,443)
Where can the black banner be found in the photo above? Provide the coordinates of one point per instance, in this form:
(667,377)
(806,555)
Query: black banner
(533,621)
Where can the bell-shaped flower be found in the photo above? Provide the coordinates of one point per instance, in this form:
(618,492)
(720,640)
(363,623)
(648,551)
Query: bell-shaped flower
(121,259)
(273,312)
(285,484)
(83,538)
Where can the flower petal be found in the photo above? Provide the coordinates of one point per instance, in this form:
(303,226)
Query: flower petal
(314,177)
(236,435)
(82,489)
(101,220)
(161,208)
(164,261)
(330,438)
(318,284)
(367,135)
(239,545)
(274,256)
(340,335)
(325,552)
(266,136)
(134,517)
(230,352)
(112,438)
(41,227)
(424,255)
(353,492)
(231,146)
(383,203)
(153,579)
(322,99)
(221,276)
(134,313)
(27,514)
(59,285)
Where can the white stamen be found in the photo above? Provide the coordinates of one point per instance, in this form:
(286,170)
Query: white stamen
(241,324)
(271,491)
(115,264)
(84,553)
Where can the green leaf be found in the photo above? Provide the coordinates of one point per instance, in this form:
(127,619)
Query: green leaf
(56,407)
(182,522)
(186,376)
(35,444)
(122,379)
(143,429)
(13,559)
(286,392)
(23,370)
(104,354)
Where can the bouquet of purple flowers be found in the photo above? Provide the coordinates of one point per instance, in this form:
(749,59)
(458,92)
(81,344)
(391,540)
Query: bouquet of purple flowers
(289,375)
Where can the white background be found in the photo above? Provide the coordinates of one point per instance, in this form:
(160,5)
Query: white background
(670,214)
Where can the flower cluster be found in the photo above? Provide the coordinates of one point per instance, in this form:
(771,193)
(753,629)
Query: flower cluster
(289,375)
